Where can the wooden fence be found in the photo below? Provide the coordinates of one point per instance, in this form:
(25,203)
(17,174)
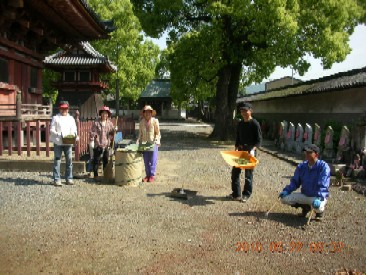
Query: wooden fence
(34,135)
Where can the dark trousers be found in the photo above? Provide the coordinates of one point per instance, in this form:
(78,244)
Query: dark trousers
(99,154)
(235,182)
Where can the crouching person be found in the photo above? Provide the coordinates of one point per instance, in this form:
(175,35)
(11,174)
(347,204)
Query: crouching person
(313,175)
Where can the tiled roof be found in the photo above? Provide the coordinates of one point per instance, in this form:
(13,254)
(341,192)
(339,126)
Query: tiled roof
(92,57)
(107,25)
(340,81)
(157,88)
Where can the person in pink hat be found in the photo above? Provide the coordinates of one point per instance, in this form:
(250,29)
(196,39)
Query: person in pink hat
(102,133)
(149,131)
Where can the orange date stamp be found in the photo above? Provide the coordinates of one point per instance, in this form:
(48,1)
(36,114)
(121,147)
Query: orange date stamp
(290,247)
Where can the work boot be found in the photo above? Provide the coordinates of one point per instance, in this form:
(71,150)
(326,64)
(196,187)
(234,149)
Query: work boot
(145,179)
(305,210)
(318,217)
(151,179)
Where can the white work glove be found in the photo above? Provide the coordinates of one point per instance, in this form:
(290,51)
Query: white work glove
(252,153)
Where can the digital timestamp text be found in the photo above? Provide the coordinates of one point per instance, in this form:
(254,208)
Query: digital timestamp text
(290,247)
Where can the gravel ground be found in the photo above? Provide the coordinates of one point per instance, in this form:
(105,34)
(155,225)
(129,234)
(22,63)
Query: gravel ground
(107,229)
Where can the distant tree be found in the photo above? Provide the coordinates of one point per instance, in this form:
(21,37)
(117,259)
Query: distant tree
(227,43)
(50,92)
(135,56)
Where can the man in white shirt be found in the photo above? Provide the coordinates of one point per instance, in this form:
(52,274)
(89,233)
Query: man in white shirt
(62,125)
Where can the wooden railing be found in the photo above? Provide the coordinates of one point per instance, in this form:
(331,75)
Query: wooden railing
(31,110)
(34,135)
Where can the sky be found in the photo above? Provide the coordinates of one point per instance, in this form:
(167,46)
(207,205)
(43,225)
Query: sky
(355,60)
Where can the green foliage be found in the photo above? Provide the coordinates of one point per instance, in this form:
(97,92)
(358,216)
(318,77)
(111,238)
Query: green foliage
(135,57)
(209,38)
(49,91)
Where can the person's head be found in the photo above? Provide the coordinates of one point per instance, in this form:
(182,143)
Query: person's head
(311,153)
(63,108)
(245,109)
(105,113)
(148,112)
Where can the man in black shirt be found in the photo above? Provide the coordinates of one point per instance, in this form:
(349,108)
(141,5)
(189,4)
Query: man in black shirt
(248,138)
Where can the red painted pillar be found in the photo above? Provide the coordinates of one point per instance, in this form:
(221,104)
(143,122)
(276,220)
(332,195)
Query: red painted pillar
(20,138)
(28,138)
(1,138)
(38,141)
(77,145)
(10,135)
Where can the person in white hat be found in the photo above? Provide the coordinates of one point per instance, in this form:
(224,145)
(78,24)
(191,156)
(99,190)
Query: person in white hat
(102,133)
(149,131)
(62,125)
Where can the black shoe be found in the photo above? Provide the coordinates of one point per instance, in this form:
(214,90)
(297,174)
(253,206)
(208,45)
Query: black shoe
(245,198)
(305,210)
(231,197)
(319,217)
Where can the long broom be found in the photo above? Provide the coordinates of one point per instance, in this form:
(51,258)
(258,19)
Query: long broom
(109,171)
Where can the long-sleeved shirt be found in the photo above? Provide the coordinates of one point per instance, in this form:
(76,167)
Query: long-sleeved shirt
(248,135)
(101,133)
(314,181)
(62,126)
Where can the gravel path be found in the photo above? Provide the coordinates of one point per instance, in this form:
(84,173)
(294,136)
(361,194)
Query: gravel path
(106,229)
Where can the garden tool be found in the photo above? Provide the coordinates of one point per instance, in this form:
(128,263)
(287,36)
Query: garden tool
(272,207)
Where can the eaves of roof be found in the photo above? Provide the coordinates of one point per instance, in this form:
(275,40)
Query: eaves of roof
(62,58)
(350,79)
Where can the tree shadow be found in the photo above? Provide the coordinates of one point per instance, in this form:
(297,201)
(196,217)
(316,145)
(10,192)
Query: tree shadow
(27,182)
(287,219)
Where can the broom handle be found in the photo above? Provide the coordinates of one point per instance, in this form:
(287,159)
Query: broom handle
(115,132)
(114,135)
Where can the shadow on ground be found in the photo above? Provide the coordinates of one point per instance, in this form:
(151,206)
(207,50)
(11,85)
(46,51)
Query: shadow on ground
(196,200)
(284,218)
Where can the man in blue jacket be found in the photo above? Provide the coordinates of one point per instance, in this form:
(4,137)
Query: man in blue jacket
(313,176)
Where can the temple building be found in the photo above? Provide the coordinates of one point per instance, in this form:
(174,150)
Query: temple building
(29,31)
(80,69)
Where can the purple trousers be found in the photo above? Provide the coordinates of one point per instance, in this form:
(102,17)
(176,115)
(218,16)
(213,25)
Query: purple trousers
(150,160)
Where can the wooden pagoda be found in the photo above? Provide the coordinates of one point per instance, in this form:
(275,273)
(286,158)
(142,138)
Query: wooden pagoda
(81,68)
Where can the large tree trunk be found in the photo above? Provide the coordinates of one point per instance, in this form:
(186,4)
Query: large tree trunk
(226,94)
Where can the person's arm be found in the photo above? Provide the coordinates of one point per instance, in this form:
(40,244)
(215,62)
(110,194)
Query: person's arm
(258,136)
(295,181)
(237,138)
(74,129)
(139,138)
(93,135)
(323,181)
(53,130)
(157,135)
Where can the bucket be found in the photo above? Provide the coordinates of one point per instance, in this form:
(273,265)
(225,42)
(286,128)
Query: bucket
(128,168)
